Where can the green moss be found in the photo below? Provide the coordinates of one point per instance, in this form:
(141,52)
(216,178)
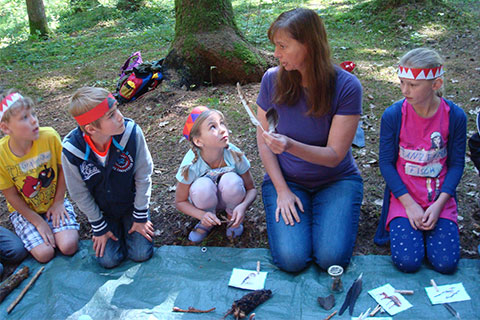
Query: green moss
(206,16)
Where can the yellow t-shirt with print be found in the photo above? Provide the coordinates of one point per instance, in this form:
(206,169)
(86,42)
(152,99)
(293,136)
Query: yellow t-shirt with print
(35,174)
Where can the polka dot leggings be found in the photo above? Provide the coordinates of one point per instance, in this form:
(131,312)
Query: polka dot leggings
(408,246)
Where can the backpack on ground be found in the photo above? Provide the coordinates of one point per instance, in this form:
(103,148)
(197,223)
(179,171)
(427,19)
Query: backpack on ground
(138,78)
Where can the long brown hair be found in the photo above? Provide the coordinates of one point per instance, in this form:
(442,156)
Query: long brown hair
(305,26)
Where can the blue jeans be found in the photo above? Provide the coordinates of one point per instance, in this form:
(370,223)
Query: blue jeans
(327,229)
(134,246)
(11,248)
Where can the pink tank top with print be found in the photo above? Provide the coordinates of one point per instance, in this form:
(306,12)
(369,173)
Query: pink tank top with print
(422,159)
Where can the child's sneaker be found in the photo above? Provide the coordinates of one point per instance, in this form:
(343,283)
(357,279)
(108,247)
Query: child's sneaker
(196,236)
(235,232)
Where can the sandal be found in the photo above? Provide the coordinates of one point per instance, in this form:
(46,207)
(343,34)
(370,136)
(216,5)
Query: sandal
(196,236)
(235,232)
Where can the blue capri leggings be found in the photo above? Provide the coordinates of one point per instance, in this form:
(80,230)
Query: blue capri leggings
(408,246)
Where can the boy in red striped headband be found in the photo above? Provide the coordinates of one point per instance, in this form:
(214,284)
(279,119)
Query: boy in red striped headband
(422,156)
(32,181)
(108,171)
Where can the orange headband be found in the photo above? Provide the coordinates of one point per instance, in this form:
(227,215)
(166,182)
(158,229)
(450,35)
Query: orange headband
(97,112)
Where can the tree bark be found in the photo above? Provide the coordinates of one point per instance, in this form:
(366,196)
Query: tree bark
(209,48)
(12,282)
(37,18)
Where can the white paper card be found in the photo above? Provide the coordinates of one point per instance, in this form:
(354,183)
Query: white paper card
(247,279)
(447,293)
(390,301)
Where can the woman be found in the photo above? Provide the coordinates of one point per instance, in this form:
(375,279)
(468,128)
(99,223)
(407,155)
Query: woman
(312,181)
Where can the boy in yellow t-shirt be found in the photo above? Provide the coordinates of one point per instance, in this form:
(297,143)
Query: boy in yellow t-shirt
(32,181)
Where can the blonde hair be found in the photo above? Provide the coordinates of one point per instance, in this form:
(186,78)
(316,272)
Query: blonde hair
(195,132)
(24,103)
(84,100)
(423,58)
(306,27)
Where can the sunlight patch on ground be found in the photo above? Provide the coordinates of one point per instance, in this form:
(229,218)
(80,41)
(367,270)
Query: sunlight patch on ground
(433,31)
(51,83)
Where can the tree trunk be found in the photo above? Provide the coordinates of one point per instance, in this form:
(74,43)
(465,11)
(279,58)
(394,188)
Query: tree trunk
(37,18)
(209,48)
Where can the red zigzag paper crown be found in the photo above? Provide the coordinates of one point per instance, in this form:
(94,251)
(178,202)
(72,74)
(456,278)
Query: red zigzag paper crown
(8,101)
(420,73)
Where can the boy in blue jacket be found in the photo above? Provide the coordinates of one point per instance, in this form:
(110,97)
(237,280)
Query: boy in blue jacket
(108,171)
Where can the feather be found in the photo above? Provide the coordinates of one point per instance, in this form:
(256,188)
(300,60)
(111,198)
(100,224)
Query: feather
(352,296)
(272,119)
(253,119)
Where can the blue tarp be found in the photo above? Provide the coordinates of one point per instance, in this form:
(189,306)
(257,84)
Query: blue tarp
(178,276)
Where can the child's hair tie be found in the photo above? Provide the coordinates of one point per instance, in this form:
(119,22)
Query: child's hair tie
(420,73)
(8,101)
(97,112)
(191,120)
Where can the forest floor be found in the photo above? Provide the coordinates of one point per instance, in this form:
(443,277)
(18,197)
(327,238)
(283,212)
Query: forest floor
(162,113)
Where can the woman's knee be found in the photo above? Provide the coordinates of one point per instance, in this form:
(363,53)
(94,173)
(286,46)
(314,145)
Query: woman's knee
(292,263)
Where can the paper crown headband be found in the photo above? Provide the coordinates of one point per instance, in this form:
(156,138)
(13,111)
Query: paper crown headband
(420,73)
(8,101)
(97,112)
(191,120)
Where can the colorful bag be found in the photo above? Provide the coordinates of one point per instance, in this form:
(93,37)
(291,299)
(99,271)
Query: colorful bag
(139,80)
(133,61)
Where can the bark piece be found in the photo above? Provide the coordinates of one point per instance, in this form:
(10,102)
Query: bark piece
(327,303)
(12,282)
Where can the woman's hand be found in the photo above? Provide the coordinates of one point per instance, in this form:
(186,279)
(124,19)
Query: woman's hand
(277,143)
(286,201)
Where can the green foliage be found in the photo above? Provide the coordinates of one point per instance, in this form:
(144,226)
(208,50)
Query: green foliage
(89,45)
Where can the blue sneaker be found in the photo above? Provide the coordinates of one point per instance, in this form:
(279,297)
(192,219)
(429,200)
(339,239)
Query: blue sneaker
(196,236)
(235,232)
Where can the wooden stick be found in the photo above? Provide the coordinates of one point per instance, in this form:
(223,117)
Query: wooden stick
(405,292)
(191,310)
(434,284)
(12,282)
(375,310)
(331,316)
(20,296)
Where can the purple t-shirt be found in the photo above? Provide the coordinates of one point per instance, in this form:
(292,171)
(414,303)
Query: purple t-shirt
(296,124)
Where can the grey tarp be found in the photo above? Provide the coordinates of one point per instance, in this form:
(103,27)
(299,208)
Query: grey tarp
(186,276)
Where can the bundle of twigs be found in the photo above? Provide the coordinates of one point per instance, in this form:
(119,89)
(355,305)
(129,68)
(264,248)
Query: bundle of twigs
(242,307)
